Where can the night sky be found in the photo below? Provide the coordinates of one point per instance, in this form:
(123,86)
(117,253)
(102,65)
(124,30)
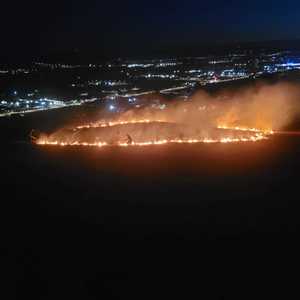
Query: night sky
(30,27)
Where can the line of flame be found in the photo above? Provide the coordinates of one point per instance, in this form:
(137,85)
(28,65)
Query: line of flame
(255,138)
(264,131)
(116,123)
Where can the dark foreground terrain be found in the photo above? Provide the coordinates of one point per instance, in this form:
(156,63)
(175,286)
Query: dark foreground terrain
(112,223)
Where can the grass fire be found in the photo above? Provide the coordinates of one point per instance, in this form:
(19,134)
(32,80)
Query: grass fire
(230,116)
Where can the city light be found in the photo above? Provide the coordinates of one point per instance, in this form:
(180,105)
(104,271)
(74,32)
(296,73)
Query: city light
(176,77)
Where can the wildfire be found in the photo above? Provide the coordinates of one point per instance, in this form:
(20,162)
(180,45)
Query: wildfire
(248,114)
(250,135)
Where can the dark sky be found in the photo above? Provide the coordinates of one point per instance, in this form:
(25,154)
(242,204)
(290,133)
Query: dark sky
(34,27)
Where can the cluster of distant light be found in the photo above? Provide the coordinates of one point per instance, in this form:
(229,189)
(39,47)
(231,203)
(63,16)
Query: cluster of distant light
(270,69)
(233,73)
(147,64)
(197,74)
(22,106)
(57,66)
(161,64)
(289,65)
(163,76)
(132,101)
(130,66)
(15,72)
(282,67)
(202,76)
(32,103)
(106,83)
(167,64)
(26,105)
(177,88)
(214,62)
(194,71)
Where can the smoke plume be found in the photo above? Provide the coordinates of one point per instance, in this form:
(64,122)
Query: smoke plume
(263,106)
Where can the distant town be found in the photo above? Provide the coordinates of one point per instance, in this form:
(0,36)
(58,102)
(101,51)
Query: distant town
(129,83)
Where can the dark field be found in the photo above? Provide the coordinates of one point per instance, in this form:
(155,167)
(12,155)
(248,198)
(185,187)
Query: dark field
(110,223)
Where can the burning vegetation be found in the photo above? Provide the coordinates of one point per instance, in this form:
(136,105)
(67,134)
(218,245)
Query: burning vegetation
(244,115)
